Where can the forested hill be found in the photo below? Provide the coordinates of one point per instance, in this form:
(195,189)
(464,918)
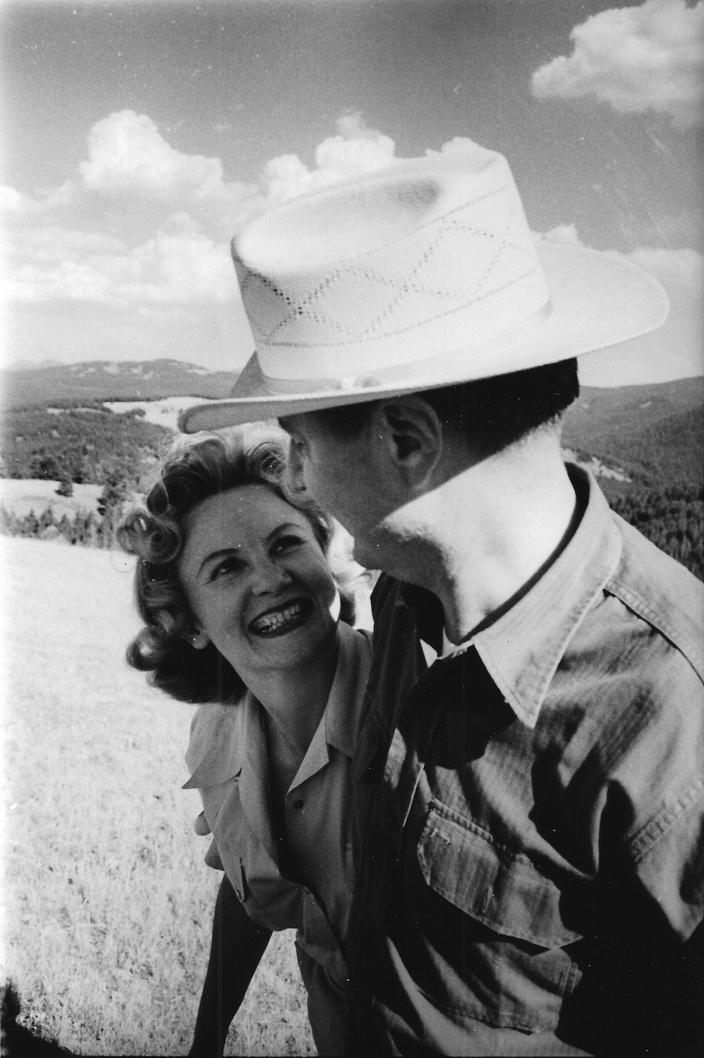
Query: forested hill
(84,444)
(653,433)
(649,443)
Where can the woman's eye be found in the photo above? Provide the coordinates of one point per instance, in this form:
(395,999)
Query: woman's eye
(286,543)
(227,566)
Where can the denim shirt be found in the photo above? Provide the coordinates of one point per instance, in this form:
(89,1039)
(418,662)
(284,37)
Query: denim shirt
(528,810)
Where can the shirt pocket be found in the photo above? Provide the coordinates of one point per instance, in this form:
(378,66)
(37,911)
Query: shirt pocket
(498,935)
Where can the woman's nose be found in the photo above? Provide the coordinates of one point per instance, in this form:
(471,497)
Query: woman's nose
(270,578)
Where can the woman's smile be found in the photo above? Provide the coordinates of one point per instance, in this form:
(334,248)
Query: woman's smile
(280,620)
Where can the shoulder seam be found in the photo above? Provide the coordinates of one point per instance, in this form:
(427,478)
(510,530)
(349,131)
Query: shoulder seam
(654,829)
(675,635)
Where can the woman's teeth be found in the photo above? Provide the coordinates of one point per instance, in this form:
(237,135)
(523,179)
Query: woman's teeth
(275,620)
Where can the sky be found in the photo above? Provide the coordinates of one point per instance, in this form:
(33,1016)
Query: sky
(138,137)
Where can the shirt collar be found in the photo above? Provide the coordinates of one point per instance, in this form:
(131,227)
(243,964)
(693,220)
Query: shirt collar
(522,649)
(344,708)
(339,725)
(227,735)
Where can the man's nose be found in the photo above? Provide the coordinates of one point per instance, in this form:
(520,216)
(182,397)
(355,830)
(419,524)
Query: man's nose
(294,470)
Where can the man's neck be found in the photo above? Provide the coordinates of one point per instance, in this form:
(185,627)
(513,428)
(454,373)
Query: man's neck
(489,533)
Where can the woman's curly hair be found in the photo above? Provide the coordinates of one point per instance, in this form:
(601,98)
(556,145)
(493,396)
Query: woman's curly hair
(194,470)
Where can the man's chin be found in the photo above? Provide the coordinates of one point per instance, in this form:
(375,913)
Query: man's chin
(369,553)
(359,550)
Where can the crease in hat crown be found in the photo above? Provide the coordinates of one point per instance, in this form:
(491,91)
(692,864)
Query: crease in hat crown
(431,255)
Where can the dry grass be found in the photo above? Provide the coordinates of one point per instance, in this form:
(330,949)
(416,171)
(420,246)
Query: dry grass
(108,903)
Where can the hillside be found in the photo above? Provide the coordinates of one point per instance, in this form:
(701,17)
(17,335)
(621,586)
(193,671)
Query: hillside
(654,433)
(83,444)
(99,380)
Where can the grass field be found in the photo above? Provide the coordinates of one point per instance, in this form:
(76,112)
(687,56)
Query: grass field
(107,902)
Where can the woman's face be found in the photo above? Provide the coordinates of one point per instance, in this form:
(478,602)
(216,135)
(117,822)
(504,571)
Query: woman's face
(257,580)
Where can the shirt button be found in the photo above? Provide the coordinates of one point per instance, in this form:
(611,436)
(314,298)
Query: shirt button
(298,805)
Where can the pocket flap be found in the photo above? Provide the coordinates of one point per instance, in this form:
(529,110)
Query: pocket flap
(499,887)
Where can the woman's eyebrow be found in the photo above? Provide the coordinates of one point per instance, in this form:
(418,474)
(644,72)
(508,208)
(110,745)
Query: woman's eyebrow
(285,527)
(214,555)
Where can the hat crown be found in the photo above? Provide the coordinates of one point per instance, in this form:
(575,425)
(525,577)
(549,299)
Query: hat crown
(425,257)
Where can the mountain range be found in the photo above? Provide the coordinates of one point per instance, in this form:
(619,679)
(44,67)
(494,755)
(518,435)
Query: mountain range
(647,434)
(31,386)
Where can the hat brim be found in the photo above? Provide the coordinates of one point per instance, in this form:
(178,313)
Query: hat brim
(597,300)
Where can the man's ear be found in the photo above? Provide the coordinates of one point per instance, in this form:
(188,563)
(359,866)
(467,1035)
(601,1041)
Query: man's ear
(413,435)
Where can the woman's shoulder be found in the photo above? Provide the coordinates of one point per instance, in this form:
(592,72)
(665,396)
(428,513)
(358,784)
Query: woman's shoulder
(217,730)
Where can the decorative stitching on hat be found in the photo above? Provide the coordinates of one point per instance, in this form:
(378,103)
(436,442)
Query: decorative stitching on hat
(300,305)
(291,344)
(502,243)
(404,287)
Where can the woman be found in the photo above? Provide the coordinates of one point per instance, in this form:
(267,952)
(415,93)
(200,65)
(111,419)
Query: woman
(240,610)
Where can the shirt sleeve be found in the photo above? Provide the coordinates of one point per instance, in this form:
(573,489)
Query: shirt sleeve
(662,772)
(671,867)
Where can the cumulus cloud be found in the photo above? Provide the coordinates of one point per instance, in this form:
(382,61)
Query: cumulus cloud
(129,161)
(186,269)
(53,243)
(354,150)
(681,267)
(132,173)
(684,268)
(128,155)
(647,58)
(564,233)
(12,201)
(178,268)
(284,177)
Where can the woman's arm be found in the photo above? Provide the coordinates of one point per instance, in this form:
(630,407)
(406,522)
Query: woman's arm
(235,952)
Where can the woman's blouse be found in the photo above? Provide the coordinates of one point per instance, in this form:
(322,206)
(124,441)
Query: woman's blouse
(228,759)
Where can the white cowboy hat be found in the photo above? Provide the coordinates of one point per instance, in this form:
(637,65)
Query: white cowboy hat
(414,277)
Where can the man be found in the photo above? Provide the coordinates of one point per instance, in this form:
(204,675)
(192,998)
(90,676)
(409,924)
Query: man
(529,805)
